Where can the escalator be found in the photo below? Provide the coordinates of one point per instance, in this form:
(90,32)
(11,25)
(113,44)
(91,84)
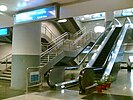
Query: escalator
(53,82)
(107,48)
(104,61)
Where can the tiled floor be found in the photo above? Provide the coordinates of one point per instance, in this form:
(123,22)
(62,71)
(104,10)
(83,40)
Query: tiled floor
(121,89)
(6,92)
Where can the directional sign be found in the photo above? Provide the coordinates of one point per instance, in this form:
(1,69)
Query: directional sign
(36,15)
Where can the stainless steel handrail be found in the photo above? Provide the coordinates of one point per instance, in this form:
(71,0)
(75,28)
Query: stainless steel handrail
(110,25)
(80,32)
(61,39)
(79,65)
(129,21)
(7,56)
(55,40)
(6,59)
(46,28)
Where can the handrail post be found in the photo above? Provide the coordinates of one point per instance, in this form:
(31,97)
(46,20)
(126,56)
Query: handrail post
(27,79)
(48,57)
(6,63)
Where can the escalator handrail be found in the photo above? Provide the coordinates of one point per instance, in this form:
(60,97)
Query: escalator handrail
(109,26)
(108,57)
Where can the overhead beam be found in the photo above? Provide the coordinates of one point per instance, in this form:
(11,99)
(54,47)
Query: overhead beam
(93,6)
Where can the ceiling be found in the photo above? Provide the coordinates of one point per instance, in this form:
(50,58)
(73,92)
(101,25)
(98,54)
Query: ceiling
(17,5)
(68,7)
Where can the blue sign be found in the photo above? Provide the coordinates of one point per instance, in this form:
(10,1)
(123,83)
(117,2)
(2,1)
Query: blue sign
(34,77)
(4,31)
(36,15)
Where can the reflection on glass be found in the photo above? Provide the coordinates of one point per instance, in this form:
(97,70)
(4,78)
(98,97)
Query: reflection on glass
(127,12)
(99,29)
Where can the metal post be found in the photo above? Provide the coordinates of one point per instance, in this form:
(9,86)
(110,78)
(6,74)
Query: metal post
(27,79)
(6,63)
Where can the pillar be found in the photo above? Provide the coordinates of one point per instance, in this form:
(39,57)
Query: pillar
(26,48)
(109,16)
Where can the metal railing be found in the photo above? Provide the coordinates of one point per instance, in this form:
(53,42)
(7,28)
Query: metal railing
(6,59)
(45,30)
(57,43)
(65,43)
(115,49)
(109,56)
(78,39)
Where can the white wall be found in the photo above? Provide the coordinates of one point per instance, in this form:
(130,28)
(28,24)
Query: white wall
(54,30)
(6,21)
(5,49)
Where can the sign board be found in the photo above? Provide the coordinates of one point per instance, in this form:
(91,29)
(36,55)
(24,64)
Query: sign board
(34,77)
(4,31)
(46,13)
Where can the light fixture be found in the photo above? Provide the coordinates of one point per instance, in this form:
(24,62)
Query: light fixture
(26,0)
(82,18)
(87,16)
(62,20)
(3,8)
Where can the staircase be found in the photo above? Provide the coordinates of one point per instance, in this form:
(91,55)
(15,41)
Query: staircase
(45,59)
(5,62)
(56,47)
(6,74)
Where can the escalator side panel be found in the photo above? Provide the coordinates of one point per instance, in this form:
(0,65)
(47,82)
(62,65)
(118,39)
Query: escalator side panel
(103,55)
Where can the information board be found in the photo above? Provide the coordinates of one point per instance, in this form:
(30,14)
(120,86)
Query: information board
(46,13)
(4,31)
(34,77)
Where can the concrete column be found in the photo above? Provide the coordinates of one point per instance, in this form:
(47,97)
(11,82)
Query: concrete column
(26,50)
(109,16)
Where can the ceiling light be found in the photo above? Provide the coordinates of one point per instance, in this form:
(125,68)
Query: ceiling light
(82,18)
(87,16)
(26,0)
(62,20)
(3,8)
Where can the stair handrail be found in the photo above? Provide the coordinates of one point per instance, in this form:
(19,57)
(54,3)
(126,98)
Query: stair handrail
(79,38)
(79,65)
(6,57)
(79,32)
(46,28)
(55,40)
(84,29)
(60,40)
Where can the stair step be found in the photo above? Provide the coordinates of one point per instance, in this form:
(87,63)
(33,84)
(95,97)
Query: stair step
(5,78)
(5,75)
(7,72)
